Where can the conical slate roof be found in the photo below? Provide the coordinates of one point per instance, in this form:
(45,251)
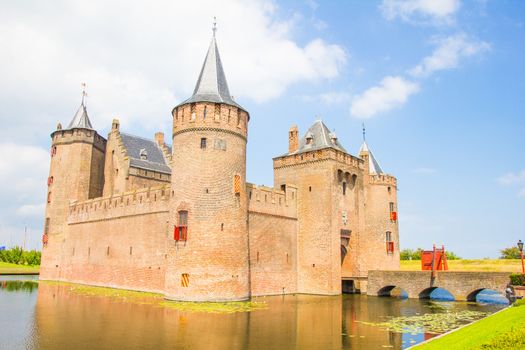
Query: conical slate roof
(373,165)
(320,137)
(81,119)
(211,85)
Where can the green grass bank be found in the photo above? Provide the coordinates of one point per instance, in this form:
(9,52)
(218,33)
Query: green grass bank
(14,269)
(503,330)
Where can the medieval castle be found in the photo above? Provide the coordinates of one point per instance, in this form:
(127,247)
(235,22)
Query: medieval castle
(181,220)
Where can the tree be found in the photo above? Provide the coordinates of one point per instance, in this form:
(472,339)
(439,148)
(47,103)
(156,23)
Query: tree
(510,253)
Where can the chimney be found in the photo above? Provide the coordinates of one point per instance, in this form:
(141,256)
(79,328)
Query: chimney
(293,139)
(115,124)
(159,137)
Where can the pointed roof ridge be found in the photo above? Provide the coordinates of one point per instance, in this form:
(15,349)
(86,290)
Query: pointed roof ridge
(81,119)
(373,165)
(211,85)
(320,137)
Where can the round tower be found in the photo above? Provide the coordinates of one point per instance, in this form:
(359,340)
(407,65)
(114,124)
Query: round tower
(208,240)
(75,173)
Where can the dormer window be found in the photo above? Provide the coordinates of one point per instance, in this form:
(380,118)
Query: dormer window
(333,137)
(143,154)
(309,138)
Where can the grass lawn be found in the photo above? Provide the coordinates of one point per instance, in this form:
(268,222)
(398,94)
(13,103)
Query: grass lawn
(503,330)
(7,268)
(497,265)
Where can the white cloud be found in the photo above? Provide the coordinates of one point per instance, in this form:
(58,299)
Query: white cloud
(329,98)
(514,179)
(448,54)
(392,92)
(140,58)
(436,12)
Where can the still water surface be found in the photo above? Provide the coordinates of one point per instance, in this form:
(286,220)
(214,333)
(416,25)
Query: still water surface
(50,316)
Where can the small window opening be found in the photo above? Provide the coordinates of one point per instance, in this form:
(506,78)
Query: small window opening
(107,251)
(49,197)
(130,250)
(185,280)
(257,256)
(389,242)
(344,188)
(203,143)
(181,231)
(222,227)
(250,195)
(237,184)
(205,112)
(207,191)
(389,190)
(89,251)
(310,188)
(143,154)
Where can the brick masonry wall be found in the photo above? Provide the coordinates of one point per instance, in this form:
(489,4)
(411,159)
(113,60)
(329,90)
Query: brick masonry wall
(215,255)
(318,241)
(74,167)
(272,230)
(117,241)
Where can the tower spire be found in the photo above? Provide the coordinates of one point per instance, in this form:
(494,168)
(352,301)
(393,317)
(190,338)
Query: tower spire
(81,119)
(212,85)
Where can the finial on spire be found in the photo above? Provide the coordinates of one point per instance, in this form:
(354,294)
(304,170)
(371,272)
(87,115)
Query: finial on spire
(364,133)
(84,93)
(214,28)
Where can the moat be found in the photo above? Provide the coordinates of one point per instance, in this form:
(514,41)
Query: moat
(58,316)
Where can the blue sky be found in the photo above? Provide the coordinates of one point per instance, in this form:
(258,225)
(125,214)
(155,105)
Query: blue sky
(439,85)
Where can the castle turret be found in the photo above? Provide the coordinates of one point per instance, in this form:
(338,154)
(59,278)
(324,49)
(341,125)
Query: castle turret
(76,173)
(208,244)
(381,238)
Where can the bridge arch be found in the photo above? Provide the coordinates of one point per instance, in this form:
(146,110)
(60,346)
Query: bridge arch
(488,295)
(444,294)
(388,290)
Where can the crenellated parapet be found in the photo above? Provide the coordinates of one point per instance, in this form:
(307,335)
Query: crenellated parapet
(78,135)
(139,202)
(382,179)
(272,201)
(317,156)
(210,116)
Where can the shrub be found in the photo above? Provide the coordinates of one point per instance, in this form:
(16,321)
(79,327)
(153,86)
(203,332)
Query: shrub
(517,279)
(510,253)
(18,256)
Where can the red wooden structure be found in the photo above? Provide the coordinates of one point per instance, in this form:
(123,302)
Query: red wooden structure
(434,260)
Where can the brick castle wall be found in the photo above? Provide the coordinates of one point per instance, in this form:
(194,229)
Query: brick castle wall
(117,241)
(272,230)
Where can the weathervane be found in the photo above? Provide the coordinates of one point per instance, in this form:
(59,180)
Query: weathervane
(364,133)
(214,28)
(84,93)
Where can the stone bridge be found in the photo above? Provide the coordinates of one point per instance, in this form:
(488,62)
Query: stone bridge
(462,285)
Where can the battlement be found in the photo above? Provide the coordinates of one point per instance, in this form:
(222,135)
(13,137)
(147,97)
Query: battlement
(272,201)
(63,137)
(317,156)
(210,116)
(382,179)
(139,202)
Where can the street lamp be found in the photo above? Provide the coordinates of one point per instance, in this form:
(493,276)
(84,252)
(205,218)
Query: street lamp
(520,247)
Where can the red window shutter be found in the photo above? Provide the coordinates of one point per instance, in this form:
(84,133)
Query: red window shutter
(176,234)
(393,216)
(184,233)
